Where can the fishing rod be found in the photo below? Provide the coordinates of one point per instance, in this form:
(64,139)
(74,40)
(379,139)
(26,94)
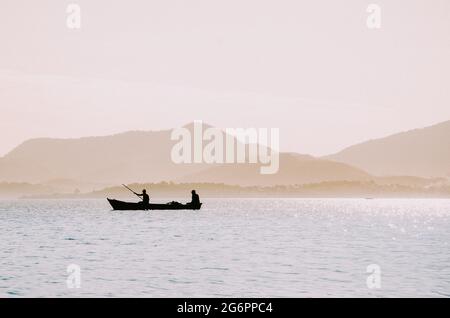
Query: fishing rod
(132,191)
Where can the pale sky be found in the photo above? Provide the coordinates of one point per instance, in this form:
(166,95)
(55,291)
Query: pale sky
(311,68)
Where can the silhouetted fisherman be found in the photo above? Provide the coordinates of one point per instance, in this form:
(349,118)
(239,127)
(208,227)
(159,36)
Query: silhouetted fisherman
(195,202)
(145,197)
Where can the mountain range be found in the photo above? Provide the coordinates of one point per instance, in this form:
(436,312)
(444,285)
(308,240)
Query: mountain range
(420,156)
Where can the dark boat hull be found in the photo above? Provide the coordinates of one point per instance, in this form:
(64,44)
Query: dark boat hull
(129,206)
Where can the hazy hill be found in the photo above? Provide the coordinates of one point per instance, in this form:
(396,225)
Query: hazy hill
(420,152)
(127,157)
(16,190)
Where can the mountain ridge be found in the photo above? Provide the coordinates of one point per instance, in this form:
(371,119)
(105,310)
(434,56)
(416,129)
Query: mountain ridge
(422,152)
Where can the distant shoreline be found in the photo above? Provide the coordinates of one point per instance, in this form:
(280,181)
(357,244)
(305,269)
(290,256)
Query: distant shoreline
(331,189)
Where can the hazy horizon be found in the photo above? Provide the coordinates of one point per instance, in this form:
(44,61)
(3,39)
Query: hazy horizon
(312,69)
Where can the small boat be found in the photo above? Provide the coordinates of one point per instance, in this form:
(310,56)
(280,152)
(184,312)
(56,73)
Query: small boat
(121,205)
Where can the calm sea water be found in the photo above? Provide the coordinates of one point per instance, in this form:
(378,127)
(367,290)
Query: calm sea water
(244,247)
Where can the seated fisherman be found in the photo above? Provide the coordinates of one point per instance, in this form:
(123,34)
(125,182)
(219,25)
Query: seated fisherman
(195,200)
